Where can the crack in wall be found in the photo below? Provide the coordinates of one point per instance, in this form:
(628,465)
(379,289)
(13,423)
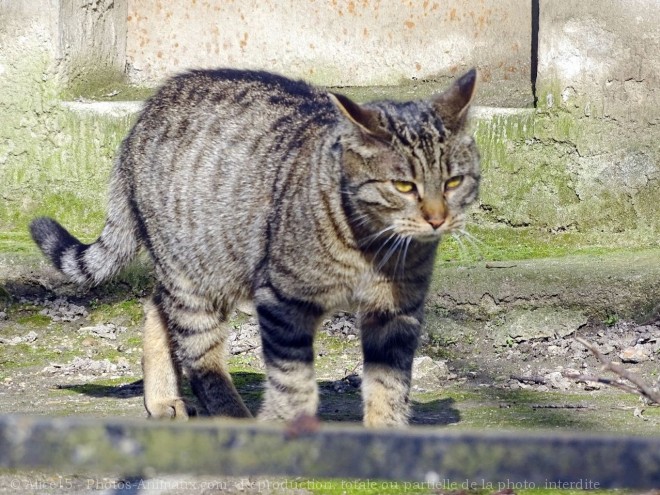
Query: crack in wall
(534,61)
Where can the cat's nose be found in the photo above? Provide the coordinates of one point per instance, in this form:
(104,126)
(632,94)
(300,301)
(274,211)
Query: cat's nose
(434,212)
(436,223)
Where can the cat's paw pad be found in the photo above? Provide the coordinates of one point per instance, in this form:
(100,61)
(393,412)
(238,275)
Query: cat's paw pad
(171,409)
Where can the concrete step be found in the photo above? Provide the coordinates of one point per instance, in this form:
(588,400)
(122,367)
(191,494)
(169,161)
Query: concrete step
(626,284)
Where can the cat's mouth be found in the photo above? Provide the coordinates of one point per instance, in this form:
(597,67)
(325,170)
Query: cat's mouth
(425,231)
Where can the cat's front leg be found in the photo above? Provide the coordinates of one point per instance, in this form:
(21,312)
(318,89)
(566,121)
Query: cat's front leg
(287,334)
(389,341)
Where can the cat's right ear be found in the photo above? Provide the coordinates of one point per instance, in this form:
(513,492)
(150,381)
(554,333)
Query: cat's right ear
(366,119)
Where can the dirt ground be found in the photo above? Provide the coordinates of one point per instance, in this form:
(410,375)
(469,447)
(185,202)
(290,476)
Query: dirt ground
(66,351)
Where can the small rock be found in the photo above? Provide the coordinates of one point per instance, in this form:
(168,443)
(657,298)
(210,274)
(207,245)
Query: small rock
(105,331)
(62,310)
(557,380)
(354,380)
(428,373)
(123,364)
(607,349)
(246,338)
(639,413)
(341,324)
(88,365)
(589,386)
(636,354)
(523,325)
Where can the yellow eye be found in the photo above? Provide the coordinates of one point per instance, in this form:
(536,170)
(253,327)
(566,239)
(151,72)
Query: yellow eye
(454,182)
(404,186)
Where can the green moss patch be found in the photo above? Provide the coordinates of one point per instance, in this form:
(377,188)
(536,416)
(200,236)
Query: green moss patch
(126,312)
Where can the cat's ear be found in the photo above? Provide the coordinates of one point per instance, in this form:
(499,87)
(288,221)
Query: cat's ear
(366,119)
(453,104)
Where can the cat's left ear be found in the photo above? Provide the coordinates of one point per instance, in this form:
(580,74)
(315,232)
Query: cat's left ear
(366,119)
(453,104)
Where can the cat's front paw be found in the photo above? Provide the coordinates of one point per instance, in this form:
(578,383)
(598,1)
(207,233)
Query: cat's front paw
(170,409)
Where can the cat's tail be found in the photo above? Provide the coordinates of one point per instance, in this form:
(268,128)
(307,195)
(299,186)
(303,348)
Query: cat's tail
(93,263)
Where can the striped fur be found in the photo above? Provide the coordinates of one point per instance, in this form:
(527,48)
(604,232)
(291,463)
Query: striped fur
(249,186)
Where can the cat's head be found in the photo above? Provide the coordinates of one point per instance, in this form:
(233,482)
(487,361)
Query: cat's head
(410,169)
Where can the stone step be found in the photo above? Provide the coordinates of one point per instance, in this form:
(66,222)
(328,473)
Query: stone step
(431,458)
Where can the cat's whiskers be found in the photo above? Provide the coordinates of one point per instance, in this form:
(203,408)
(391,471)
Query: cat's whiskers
(462,250)
(358,220)
(370,239)
(456,223)
(390,251)
(475,243)
(473,239)
(392,236)
(402,255)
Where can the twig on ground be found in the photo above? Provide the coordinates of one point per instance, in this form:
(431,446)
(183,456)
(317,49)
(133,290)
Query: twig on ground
(636,385)
(534,380)
(561,406)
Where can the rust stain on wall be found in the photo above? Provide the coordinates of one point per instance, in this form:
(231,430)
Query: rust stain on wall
(421,38)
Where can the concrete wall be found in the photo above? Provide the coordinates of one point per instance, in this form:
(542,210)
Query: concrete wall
(92,38)
(338,42)
(603,56)
(52,161)
(586,159)
(28,93)
(599,74)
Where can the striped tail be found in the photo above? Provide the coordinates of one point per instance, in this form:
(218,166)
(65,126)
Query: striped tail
(94,263)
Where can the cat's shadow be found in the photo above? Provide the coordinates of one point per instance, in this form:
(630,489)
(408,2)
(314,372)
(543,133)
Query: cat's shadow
(338,403)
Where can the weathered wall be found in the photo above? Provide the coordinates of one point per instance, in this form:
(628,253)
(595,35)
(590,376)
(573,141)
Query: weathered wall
(603,57)
(338,43)
(28,93)
(92,40)
(587,159)
(52,161)
(590,156)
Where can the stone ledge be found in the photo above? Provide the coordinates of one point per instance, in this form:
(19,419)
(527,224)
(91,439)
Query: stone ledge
(123,108)
(104,108)
(236,448)
(626,284)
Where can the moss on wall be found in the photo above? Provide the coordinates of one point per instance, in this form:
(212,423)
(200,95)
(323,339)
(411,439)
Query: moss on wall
(560,169)
(52,161)
(556,169)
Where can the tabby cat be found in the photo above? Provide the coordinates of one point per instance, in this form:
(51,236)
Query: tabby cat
(246,185)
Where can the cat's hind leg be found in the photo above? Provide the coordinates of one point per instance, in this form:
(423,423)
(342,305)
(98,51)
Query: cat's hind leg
(199,329)
(162,374)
